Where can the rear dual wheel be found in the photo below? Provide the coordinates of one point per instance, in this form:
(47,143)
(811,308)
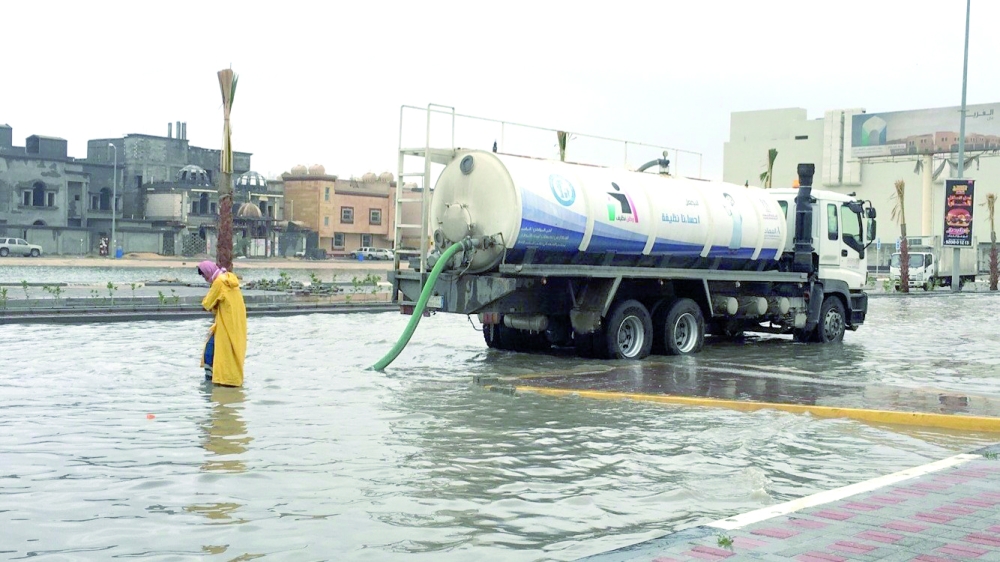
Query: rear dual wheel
(679,328)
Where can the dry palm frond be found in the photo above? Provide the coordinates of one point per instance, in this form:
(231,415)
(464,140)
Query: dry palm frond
(898,208)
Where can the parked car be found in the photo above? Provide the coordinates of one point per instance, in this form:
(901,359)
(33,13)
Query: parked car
(384,254)
(18,247)
(369,252)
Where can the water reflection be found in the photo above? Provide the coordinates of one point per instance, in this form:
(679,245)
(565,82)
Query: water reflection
(225,439)
(225,432)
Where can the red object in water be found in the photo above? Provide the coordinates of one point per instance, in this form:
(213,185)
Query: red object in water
(150,416)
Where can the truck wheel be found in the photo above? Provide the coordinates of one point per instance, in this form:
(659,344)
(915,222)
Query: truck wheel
(927,285)
(832,321)
(683,328)
(35,253)
(629,331)
(493,334)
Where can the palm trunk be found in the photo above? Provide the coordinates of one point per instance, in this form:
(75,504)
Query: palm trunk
(904,261)
(993,261)
(224,249)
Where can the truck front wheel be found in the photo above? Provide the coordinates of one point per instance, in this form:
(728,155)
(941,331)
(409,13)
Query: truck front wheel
(629,331)
(832,321)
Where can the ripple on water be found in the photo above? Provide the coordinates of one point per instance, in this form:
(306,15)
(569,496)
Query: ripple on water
(318,457)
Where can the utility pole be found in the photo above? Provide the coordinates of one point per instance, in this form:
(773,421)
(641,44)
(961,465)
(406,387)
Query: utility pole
(956,252)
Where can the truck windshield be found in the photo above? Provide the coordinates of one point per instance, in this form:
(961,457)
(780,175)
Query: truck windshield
(916,260)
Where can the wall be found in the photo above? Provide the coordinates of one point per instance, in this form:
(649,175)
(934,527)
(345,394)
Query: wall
(167,206)
(753,133)
(19,174)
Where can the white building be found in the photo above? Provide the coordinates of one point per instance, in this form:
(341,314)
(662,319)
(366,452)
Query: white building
(827,143)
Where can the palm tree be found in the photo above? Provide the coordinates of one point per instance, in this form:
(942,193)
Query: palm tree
(899,215)
(561,135)
(991,200)
(765,177)
(224,252)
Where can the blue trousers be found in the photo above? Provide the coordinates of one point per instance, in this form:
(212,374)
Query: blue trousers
(210,351)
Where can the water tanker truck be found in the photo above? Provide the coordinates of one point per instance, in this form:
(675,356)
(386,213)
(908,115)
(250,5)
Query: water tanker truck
(620,264)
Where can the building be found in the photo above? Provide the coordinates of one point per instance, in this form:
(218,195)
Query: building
(164,193)
(869,160)
(51,199)
(346,214)
(149,161)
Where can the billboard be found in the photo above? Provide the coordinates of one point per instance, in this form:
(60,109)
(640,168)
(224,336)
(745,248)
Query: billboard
(925,131)
(958,198)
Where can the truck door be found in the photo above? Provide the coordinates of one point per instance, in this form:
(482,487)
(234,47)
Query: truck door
(852,247)
(828,239)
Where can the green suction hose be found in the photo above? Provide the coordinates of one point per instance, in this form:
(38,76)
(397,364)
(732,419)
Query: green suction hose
(425,295)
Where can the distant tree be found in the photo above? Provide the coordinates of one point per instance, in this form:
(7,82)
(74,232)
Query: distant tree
(765,177)
(899,215)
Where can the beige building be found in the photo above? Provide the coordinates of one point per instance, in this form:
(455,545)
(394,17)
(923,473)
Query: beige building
(346,213)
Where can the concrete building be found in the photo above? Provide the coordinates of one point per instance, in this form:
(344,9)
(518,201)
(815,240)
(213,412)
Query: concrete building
(49,198)
(827,142)
(149,161)
(166,193)
(346,214)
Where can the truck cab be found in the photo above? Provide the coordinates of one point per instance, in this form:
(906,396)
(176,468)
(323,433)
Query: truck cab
(922,270)
(842,230)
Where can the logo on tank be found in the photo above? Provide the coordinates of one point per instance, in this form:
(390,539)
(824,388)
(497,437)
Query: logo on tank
(620,206)
(562,190)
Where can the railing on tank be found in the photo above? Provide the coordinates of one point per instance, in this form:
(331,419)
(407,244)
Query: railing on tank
(430,147)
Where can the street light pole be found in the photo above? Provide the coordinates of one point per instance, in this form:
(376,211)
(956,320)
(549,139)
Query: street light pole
(114,203)
(956,252)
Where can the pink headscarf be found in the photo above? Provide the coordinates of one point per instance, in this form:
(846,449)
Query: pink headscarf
(208,268)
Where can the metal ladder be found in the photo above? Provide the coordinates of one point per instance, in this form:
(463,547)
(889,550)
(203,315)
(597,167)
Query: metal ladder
(430,156)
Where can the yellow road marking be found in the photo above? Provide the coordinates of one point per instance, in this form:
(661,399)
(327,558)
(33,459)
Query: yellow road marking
(945,421)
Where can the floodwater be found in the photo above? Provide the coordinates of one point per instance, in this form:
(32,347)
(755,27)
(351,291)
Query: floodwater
(111,446)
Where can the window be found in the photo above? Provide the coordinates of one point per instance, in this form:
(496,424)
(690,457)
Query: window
(375,216)
(326,194)
(347,215)
(338,240)
(26,198)
(784,208)
(38,195)
(366,239)
(832,223)
(50,199)
(801,137)
(213,208)
(326,221)
(852,226)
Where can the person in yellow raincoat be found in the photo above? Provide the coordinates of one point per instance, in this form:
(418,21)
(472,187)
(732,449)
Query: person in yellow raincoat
(226,347)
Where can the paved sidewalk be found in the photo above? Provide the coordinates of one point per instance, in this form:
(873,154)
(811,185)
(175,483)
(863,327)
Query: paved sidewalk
(947,510)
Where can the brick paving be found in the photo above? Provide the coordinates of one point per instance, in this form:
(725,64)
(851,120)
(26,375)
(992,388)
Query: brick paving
(946,515)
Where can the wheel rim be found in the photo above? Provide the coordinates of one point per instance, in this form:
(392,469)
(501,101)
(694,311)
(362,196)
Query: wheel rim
(833,325)
(631,336)
(685,332)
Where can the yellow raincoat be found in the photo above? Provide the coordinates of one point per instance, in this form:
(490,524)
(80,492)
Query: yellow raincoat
(230,329)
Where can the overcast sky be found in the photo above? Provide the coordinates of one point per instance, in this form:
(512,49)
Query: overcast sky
(323,82)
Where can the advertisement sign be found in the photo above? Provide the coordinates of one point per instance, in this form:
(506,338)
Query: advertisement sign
(958,199)
(925,131)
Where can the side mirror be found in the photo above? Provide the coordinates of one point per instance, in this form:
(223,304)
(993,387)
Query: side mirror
(871,225)
(871,212)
